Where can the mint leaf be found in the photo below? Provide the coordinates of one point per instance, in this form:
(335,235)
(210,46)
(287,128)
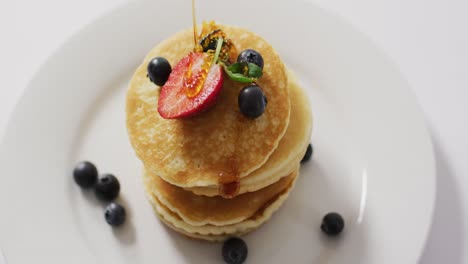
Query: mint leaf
(234,72)
(243,72)
(254,71)
(236,68)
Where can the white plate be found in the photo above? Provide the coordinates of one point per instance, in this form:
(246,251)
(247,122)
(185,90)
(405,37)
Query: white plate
(373,159)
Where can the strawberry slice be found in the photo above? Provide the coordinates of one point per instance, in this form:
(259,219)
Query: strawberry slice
(192,87)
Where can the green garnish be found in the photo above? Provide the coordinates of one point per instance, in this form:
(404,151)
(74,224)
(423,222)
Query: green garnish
(238,68)
(254,70)
(240,71)
(243,72)
(238,77)
(219,45)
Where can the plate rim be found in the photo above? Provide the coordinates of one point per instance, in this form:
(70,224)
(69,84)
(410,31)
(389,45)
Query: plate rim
(90,24)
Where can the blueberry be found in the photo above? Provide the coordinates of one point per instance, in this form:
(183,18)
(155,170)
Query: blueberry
(85,174)
(115,214)
(252,101)
(107,187)
(235,251)
(308,154)
(332,224)
(252,56)
(159,70)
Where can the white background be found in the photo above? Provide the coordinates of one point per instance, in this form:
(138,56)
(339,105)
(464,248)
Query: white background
(428,39)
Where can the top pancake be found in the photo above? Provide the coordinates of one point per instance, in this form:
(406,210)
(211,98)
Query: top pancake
(289,152)
(197,151)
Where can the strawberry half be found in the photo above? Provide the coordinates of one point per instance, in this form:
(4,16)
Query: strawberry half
(192,87)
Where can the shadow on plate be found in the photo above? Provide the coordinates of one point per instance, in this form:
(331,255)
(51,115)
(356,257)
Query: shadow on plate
(447,225)
(126,233)
(193,250)
(293,233)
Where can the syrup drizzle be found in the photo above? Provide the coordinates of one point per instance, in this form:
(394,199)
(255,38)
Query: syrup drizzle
(229,181)
(193,83)
(195,31)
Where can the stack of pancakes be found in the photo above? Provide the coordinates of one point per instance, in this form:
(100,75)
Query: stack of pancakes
(220,174)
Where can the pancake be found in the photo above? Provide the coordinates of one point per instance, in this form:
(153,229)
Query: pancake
(210,237)
(246,186)
(290,150)
(200,150)
(198,210)
(219,233)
